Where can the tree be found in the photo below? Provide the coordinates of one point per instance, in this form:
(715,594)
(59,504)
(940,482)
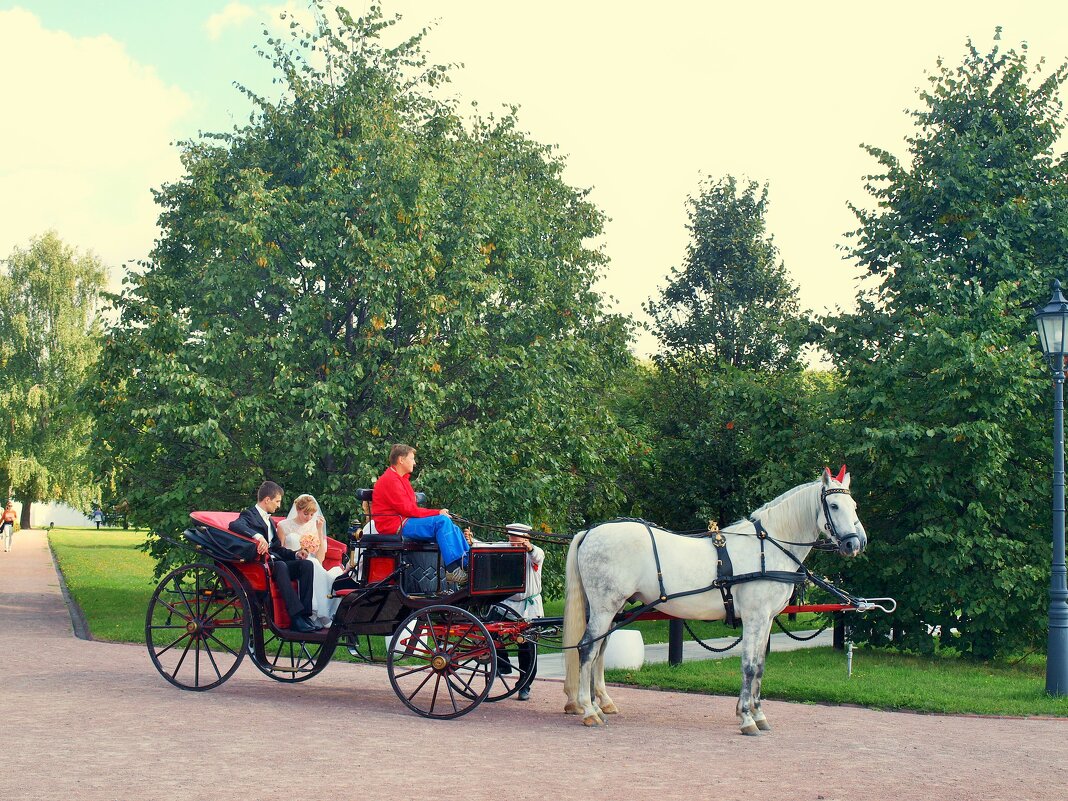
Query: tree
(730,333)
(356,267)
(721,443)
(732,302)
(49,342)
(942,384)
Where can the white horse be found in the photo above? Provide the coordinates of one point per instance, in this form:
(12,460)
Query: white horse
(616,562)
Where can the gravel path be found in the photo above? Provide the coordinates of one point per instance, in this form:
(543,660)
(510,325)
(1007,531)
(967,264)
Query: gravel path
(89,720)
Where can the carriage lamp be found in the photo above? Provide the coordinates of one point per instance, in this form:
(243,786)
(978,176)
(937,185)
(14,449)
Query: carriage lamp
(1052,323)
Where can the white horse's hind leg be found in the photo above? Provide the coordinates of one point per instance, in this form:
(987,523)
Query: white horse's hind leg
(604,703)
(754,644)
(571,705)
(590,651)
(760,719)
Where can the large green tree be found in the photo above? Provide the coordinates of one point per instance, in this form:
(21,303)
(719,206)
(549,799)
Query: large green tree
(727,373)
(359,266)
(943,385)
(49,342)
(720,443)
(732,302)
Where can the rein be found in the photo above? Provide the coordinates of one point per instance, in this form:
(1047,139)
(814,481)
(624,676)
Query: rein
(530,535)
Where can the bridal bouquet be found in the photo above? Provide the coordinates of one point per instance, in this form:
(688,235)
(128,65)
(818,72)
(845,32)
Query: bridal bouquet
(310,542)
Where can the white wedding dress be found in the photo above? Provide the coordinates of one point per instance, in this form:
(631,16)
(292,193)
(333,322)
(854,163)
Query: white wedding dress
(323,606)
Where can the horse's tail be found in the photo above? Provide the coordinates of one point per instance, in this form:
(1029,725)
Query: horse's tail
(574,621)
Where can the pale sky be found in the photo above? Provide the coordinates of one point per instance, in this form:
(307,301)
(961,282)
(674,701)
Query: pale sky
(642,103)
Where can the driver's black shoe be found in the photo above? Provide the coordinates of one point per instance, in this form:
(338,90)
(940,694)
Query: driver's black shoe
(303,625)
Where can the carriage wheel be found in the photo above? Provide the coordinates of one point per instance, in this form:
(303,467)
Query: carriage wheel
(291,661)
(441,662)
(197,628)
(510,677)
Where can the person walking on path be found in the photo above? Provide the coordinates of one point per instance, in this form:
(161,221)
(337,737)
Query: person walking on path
(98,517)
(7,525)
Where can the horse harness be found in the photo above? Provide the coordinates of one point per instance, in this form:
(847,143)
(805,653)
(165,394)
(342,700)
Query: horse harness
(725,578)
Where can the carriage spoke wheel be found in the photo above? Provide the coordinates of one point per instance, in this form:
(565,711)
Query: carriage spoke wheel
(441,662)
(197,627)
(289,660)
(514,672)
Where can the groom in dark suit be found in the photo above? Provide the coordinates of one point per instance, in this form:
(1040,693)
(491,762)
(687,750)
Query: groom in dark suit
(286,565)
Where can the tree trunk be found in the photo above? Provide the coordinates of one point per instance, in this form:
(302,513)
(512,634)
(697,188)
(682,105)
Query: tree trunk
(24,519)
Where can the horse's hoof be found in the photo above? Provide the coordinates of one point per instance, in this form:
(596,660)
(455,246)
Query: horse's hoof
(610,709)
(763,725)
(750,729)
(572,708)
(592,720)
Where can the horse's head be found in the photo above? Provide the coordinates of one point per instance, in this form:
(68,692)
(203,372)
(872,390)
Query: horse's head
(837,514)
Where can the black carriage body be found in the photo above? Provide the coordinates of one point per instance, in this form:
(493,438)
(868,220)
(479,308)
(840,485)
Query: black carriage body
(392,587)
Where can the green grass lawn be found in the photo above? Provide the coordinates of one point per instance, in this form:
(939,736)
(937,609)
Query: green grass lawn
(108,576)
(881,679)
(112,581)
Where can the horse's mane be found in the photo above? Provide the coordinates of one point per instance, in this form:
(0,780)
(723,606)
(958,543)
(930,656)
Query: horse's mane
(791,511)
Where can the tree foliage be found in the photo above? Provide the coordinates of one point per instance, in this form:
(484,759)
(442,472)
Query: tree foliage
(732,302)
(724,393)
(49,342)
(358,266)
(942,383)
(721,443)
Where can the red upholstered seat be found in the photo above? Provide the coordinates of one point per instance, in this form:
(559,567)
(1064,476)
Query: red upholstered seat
(254,572)
(335,553)
(216,519)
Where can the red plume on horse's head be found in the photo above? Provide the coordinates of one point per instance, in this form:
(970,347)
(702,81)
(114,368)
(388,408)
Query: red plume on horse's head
(841,474)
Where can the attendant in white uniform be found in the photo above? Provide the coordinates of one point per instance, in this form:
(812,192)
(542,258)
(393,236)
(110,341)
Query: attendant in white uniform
(529,603)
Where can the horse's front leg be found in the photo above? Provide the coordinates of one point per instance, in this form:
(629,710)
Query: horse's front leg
(759,718)
(754,646)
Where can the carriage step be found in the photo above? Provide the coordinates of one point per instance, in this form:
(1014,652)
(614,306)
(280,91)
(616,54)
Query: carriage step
(306,636)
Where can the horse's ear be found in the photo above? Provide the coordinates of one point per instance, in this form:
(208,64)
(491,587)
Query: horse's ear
(844,480)
(841,477)
(826,476)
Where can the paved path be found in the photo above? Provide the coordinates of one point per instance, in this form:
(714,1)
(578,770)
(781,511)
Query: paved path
(88,720)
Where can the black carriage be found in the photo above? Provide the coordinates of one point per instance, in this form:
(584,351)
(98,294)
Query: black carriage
(449,648)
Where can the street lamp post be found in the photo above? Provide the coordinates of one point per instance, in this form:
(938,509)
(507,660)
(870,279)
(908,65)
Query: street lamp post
(1052,324)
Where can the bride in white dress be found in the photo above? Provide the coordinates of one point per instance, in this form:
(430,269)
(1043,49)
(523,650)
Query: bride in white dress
(305,529)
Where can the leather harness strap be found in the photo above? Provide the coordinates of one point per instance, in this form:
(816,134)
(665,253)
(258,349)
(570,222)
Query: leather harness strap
(725,578)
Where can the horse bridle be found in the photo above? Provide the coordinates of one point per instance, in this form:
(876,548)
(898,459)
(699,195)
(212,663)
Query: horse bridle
(828,521)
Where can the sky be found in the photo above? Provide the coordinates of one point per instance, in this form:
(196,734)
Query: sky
(644,104)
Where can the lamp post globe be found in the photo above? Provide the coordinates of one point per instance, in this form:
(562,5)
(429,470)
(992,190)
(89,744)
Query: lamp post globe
(1052,323)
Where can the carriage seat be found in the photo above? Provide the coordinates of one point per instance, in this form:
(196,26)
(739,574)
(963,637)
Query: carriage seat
(371,538)
(423,573)
(335,550)
(364,494)
(255,572)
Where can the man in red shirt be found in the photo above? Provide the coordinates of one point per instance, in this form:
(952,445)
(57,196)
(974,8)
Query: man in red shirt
(394,509)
